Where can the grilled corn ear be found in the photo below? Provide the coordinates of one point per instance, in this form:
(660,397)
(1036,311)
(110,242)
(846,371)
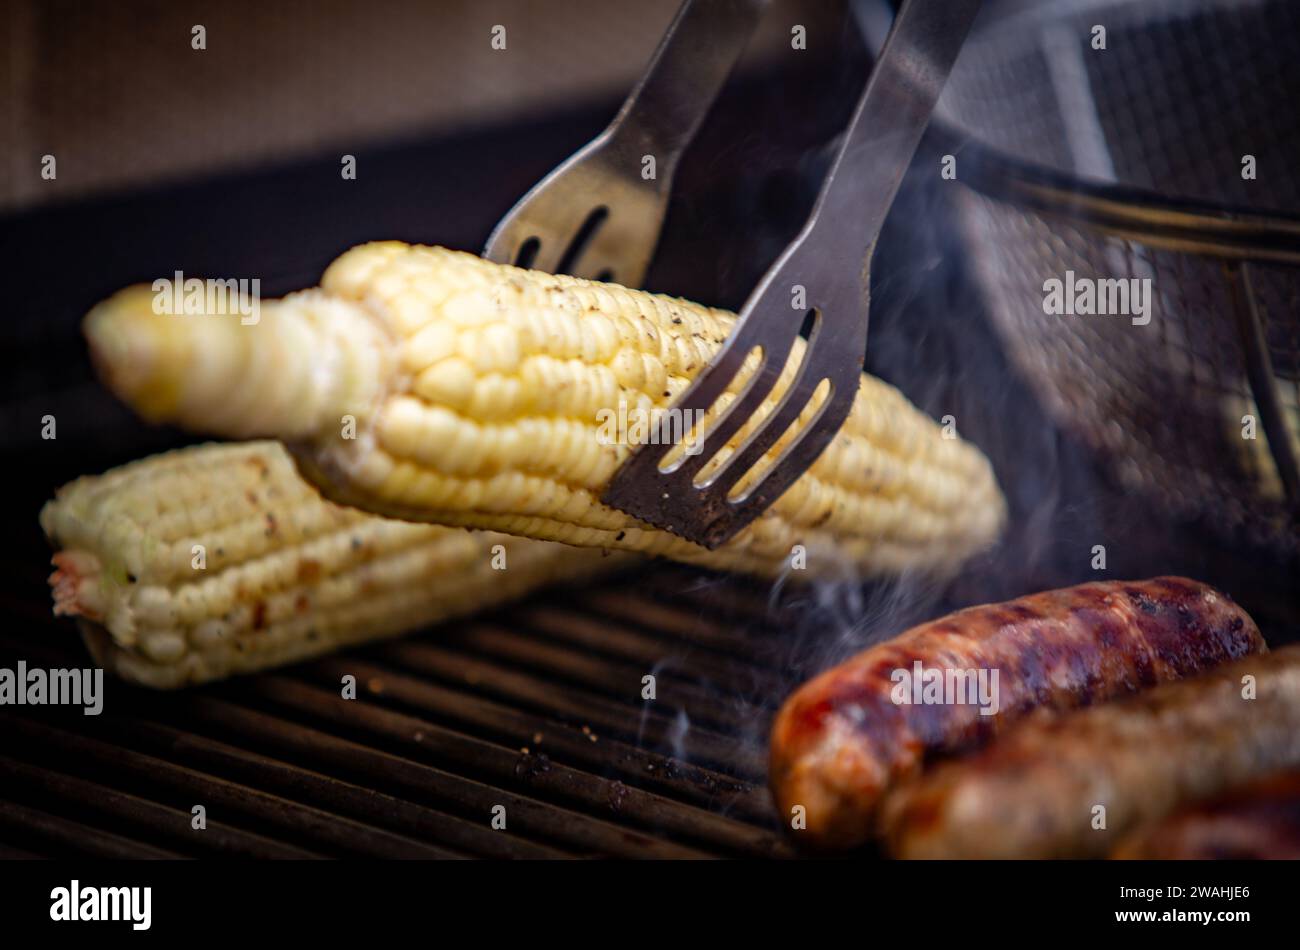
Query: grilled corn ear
(430,385)
(220,559)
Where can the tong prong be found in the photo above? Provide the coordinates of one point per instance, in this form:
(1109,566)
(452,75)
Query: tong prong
(555,227)
(604,245)
(657,121)
(789,465)
(819,265)
(760,441)
(756,390)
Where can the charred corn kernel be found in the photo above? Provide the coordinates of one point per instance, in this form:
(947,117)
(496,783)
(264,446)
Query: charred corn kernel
(490,396)
(220,559)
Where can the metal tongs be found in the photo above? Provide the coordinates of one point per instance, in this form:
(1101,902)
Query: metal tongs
(597,216)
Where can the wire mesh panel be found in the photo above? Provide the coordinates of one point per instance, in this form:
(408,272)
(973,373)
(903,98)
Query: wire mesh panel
(1186,99)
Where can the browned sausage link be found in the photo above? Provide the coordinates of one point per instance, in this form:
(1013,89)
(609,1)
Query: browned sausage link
(1038,791)
(841,739)
(1259,821)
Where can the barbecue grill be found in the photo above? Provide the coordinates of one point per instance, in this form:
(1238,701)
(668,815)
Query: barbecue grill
(538,706)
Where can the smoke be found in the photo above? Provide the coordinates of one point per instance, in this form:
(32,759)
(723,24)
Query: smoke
(934,336)
(930,337)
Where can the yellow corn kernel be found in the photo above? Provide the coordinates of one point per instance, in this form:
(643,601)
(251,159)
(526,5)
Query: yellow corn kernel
(220,559)
(447,389)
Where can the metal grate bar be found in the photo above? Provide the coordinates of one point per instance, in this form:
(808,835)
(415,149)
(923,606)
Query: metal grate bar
(594,634)
(614,679)
(412,768)
(650,729)
(382,769)
(511,768)
(184,787)
(556,741)
(143,816)
(733,599)
(65,836)
(754,646)
(455,835)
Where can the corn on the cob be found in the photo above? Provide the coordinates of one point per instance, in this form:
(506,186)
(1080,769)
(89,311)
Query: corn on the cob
(476,393)
(220,559)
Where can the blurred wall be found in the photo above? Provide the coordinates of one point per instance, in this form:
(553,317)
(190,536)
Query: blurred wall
(115,91)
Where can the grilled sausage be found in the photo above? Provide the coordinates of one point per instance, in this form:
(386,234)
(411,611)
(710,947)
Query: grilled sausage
(845,737)
(1037,792)
(1258,821)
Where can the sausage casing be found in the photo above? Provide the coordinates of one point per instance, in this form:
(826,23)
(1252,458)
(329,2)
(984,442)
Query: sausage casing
(841,740)
(1259,821)
(1073,785)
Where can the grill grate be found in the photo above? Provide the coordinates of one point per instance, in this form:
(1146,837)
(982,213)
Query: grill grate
(537,707)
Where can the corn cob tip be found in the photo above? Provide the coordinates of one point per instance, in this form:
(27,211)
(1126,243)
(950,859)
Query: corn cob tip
(289,370)
(74,585)
(126,352)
